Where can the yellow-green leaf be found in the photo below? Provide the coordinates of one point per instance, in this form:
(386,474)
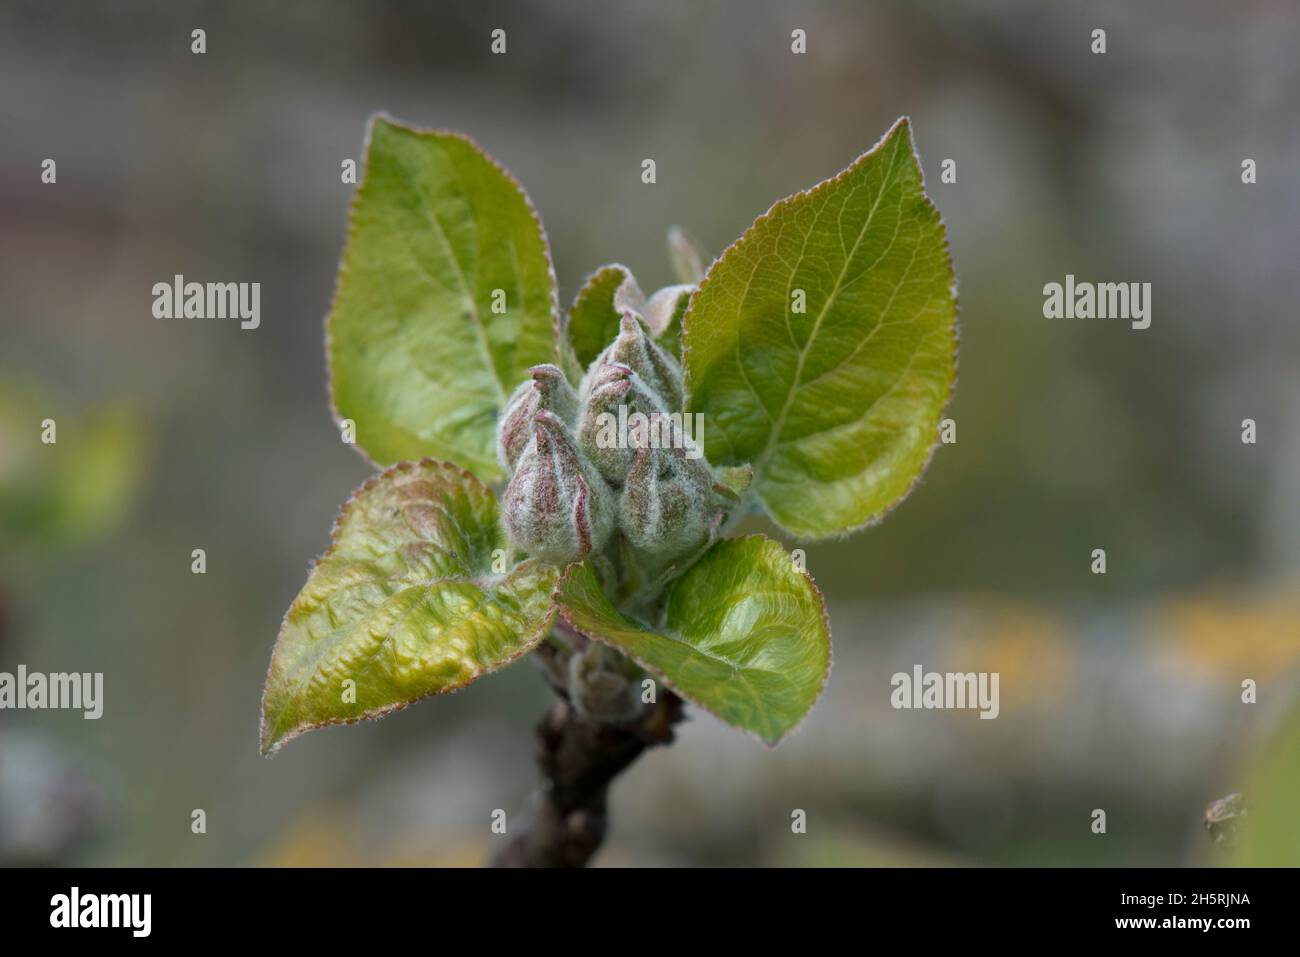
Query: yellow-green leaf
(822,345)
(446,298)
(593,319)
(663,314)
(687,257)
(404,604)
(745,634)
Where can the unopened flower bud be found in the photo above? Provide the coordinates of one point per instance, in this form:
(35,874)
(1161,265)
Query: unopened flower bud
(668,507)
(613,395)
(657,368)
(547,389)
(557,507)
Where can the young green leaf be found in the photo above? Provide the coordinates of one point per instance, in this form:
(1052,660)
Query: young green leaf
(687,257)
(405,603)
(663,314)
(446,298)
(593,319)
(822,345)
(745,634)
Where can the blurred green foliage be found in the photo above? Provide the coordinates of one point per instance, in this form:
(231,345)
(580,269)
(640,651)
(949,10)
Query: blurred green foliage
(1269,834)
(58,495)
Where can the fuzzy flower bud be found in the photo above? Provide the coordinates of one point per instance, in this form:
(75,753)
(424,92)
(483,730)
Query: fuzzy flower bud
(557,507)
(668,507)
(635,349)
(547,389)
(614,394)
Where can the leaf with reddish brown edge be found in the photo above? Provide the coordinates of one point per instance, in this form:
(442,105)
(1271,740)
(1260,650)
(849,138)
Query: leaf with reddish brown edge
(405,603)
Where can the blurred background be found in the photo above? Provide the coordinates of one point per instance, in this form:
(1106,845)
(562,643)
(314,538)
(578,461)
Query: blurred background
(1119,691)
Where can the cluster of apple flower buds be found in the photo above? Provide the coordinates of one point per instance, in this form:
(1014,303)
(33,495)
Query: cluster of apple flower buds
(575,481)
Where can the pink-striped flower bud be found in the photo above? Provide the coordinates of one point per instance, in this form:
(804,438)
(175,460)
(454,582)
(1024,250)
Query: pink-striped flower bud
(614,395)
(668,507)
(557,507)
(548,389)
(657,368)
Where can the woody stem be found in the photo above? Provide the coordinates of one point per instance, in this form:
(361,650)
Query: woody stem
(579,759)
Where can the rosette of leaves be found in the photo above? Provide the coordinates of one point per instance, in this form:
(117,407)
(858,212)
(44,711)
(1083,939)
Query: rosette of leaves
(819,349)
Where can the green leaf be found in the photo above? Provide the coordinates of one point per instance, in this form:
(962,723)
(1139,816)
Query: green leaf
(593,319)
(404,603)
(732,481)
(745,634)
(420,359)
(838,406)
(687,257)
(663,314)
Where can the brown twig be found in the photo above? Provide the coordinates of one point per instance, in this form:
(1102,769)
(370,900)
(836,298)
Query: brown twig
(579,759)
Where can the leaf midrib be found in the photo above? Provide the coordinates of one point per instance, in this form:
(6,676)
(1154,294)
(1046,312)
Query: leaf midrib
(774,435)
(479,330)
(735,667)
(739,673)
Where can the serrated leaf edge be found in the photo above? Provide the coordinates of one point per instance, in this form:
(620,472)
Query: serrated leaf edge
(270,748)
(905,123)
(556,328)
